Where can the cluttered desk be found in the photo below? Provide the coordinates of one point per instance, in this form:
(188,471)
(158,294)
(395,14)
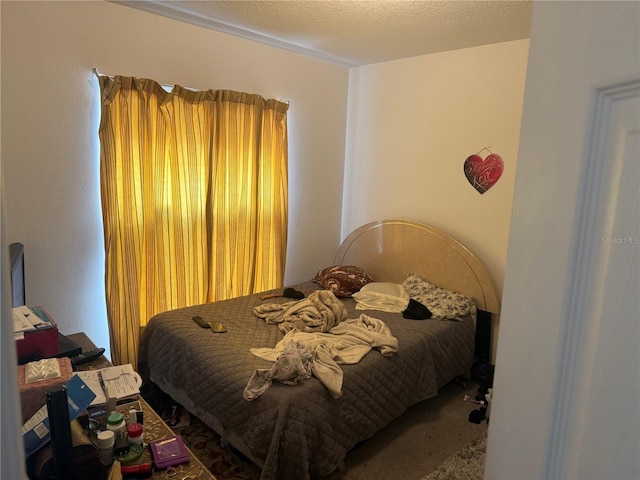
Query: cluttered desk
(100,427)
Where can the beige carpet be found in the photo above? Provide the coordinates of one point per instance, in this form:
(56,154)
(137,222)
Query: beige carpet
(414,445)
(417,442)
(467,464)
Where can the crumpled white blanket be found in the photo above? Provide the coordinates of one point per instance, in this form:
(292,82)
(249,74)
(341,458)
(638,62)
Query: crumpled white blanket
(293,364)
(319,312)
(346,343)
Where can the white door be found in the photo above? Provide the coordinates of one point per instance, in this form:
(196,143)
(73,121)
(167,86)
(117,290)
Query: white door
(567,383)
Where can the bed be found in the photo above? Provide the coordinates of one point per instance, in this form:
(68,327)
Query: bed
(305,430)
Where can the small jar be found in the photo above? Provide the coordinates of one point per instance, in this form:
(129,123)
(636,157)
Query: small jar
(105,442)
(135,433)
(116,423)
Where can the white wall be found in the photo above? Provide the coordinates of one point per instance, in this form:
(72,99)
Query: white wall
(50,147)
(411,125)
(567,383)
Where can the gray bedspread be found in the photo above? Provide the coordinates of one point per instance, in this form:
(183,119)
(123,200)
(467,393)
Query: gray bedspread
(296,431)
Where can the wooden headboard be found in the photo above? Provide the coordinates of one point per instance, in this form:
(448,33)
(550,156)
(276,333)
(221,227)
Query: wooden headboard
(389,250)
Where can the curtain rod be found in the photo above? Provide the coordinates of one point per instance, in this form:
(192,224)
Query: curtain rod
(98,74)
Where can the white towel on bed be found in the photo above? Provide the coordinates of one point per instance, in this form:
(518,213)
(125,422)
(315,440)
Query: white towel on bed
(319,312)
(346,343)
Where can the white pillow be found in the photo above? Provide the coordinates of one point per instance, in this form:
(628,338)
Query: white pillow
(383,296)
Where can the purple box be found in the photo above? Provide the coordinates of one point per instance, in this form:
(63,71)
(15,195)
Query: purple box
(169,451)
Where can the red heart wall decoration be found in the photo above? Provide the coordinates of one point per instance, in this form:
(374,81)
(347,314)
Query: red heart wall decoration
(483,174)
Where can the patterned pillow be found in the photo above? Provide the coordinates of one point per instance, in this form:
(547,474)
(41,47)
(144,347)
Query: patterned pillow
(444,304)
(342,280)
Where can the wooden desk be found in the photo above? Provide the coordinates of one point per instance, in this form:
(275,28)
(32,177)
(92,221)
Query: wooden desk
(154,427)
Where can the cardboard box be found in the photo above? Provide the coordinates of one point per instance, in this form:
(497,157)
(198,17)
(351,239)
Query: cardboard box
(40,343)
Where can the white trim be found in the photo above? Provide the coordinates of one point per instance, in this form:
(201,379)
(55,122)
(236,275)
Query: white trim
(593,201)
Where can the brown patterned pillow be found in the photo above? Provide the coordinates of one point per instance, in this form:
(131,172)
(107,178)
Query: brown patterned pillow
(342,280)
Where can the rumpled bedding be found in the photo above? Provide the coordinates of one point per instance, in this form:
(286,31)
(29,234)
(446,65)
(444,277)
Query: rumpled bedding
(295,431)
(319,312)
(293,364)
(346,343)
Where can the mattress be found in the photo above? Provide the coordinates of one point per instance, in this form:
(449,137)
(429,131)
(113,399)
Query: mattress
(296,431)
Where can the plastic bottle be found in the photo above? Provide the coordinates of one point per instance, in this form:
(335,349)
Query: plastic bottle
(135,433)
(131,419)
(105,442)
(118,426)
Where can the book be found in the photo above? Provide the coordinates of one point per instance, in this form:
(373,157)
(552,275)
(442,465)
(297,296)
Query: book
(121,383)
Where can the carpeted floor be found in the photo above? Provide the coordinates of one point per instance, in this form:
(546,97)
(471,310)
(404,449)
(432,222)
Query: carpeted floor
(467,464)
(222,460)
(434,437)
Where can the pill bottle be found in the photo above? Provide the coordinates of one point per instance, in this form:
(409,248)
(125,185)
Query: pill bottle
(135,433)
(105,443)
(116,423)
(132,416)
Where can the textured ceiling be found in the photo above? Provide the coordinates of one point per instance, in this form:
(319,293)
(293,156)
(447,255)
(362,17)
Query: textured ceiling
(356,32)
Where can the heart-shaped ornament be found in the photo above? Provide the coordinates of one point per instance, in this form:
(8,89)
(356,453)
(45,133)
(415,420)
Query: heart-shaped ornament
(483,174)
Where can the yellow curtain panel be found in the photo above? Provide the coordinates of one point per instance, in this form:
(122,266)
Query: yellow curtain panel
(194,200)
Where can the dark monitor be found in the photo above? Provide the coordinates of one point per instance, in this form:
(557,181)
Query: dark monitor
(16,259)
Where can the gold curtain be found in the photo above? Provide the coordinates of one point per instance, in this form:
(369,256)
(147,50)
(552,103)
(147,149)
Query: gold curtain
(194,200)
